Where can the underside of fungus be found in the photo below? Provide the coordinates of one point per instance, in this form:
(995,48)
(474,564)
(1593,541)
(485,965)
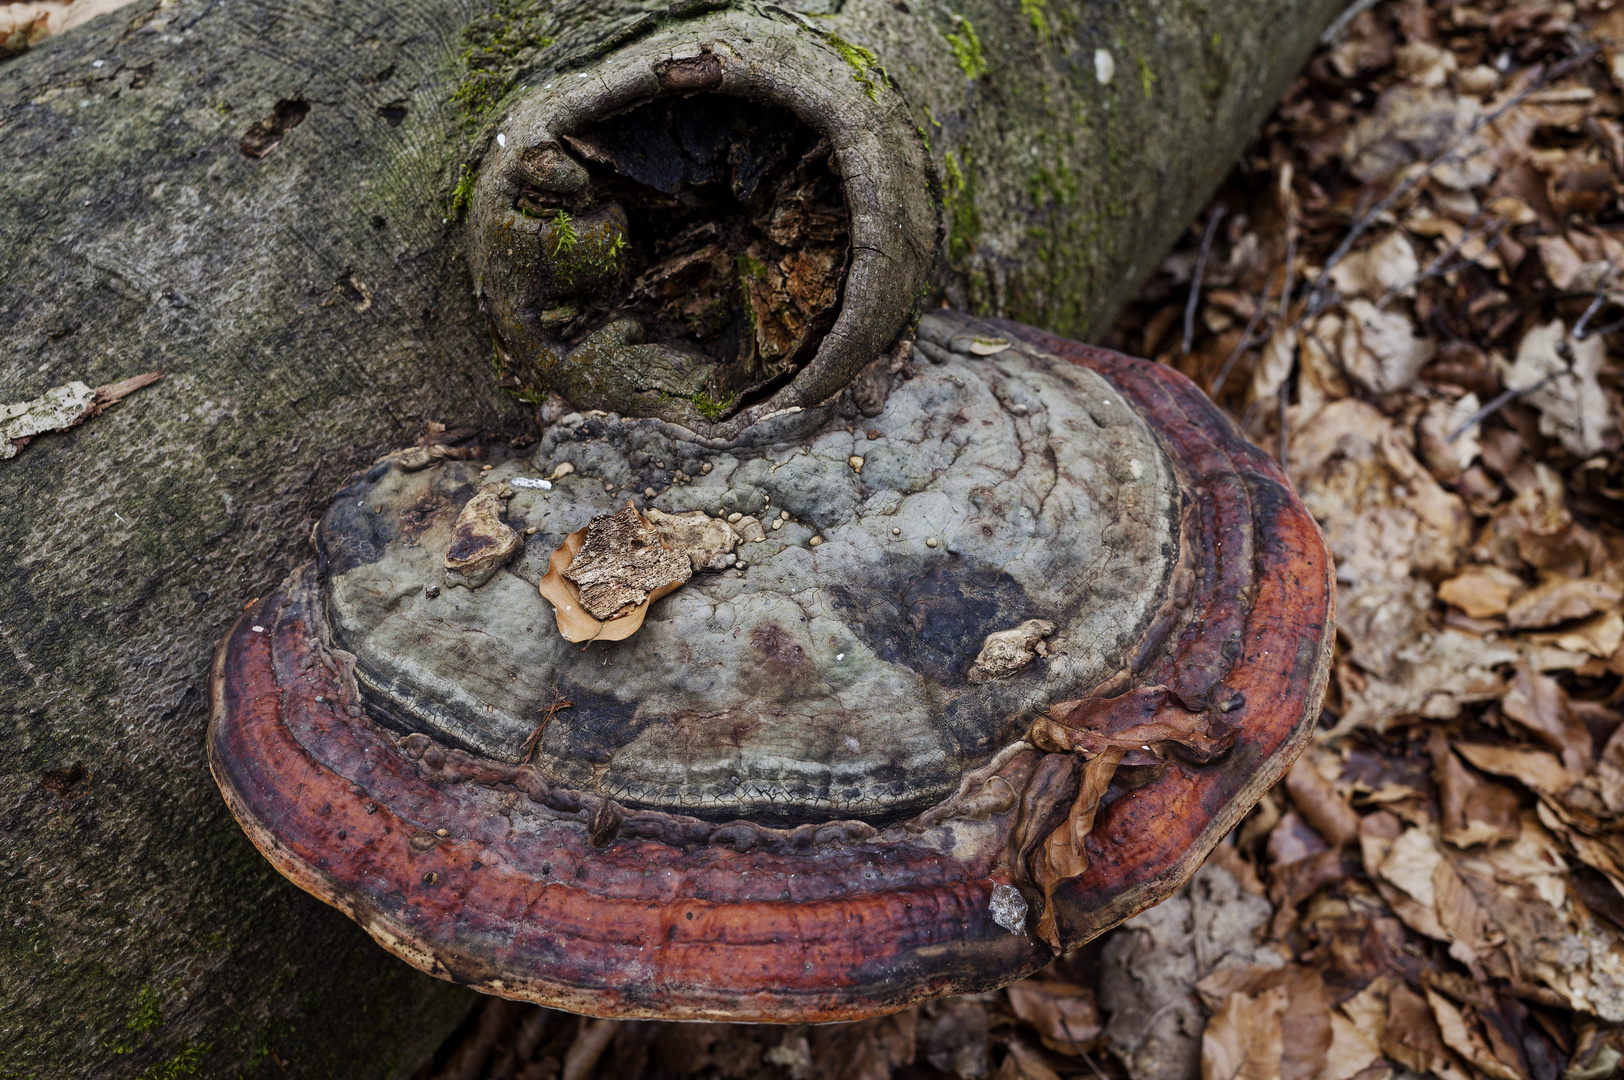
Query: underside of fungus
(877,700)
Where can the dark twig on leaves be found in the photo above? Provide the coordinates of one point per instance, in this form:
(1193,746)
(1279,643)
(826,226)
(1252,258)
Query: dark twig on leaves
(1318,299)
(1436,267)
(1196,274)
(1579,328)
(1500,401)
(1246,342)
(1285,424)
(1291,270)
(1065,1026)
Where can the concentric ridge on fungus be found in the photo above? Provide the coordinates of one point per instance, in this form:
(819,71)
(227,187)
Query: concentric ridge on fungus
(858,773)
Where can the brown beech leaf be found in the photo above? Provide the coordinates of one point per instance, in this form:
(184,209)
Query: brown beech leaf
(1024,1063)
(1460,1034)
(1537,770)
(1357,1028)
(1473,810)
(1305,1022)
(1065,1015)
(1560,599)
(1320,805)
(1065,853)
(1481,591)
(1538,703)
(1243,1040)
(1412,1037)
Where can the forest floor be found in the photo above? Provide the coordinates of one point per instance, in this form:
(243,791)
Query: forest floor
(1411,289)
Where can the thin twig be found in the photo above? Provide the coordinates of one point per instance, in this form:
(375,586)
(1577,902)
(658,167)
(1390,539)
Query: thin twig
(1195,275)
(1285,424)
(1365,219)
(1066,1027)
(1436,267)
(1155,1016)
(1612,327)
(1500,401)
(528,750)
(1595,305)
(1333,33)
(1291,259)
(1244,343)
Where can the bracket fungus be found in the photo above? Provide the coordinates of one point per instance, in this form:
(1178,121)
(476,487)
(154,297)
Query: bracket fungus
(934,721)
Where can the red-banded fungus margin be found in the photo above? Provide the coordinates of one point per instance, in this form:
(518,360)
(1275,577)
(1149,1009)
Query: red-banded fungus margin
(902,731)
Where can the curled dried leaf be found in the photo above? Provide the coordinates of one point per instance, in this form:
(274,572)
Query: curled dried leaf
(628,568)
(1065,853)
(1146,724)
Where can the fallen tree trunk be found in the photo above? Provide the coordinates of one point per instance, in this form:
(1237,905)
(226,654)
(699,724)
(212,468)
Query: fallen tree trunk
(277,209)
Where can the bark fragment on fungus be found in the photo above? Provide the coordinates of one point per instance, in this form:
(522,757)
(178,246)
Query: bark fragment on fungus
(1029,845)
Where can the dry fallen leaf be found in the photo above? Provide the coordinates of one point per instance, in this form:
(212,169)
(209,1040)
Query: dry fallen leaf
(1560,599)
(1482,591)
(1381,350)
(1573,406)
(653,564)
(1243,1039)
(1065,1016)
(1538,703)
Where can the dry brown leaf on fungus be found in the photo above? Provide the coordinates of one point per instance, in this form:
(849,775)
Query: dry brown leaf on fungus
(1065,853)
(602,578)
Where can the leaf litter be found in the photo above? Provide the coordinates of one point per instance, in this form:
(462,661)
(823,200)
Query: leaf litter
(1410,290)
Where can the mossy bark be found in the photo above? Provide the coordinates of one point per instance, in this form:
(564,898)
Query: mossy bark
(310,310)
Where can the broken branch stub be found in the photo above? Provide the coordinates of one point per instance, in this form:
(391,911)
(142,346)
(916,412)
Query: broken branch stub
(719,224)
(915,697)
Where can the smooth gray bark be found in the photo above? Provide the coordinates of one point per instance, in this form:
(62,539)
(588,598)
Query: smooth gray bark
(311,310)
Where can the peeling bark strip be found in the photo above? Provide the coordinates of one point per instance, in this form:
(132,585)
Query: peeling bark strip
(61,408)
(556,892)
